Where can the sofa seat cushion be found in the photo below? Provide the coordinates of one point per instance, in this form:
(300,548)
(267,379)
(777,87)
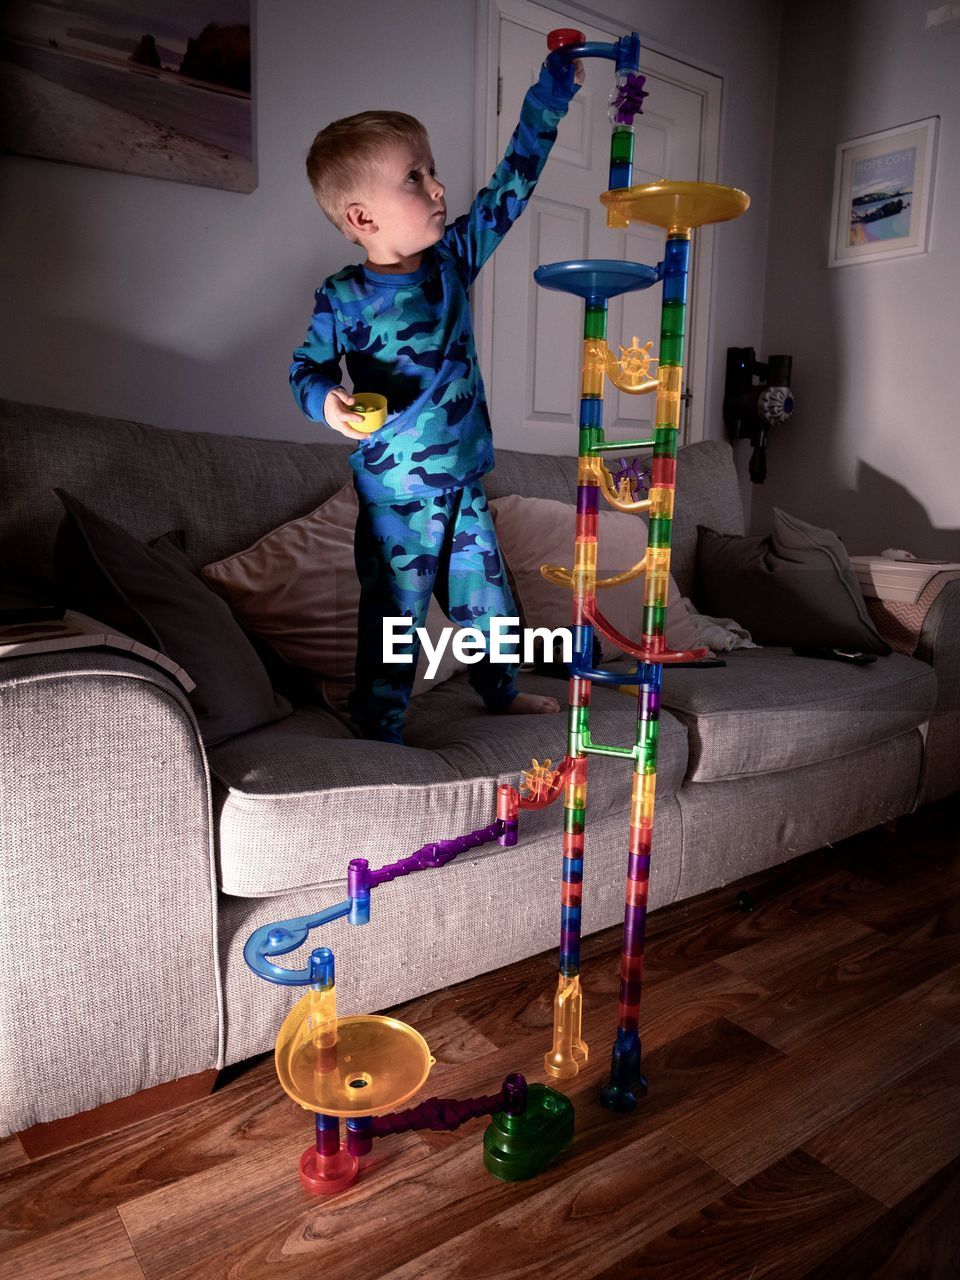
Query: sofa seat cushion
(295,801)
(769,709)
(452,722)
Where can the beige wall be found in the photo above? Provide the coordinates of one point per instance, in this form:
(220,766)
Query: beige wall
(874,448)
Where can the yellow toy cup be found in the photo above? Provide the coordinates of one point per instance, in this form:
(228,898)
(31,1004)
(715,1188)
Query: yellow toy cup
(374,410)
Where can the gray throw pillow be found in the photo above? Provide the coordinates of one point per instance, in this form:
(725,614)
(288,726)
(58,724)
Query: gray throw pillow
(154,594)
(794,586)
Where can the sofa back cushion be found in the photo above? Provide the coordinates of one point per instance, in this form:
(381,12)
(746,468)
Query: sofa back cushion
(297,589)
(224,491)
(227,491)
(793,586)
(153,593)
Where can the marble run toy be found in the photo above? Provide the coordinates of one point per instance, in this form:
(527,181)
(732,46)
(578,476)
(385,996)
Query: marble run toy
(362,1068)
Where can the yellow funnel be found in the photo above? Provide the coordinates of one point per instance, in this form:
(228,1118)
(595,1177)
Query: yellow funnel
(675,206)
(358,1066)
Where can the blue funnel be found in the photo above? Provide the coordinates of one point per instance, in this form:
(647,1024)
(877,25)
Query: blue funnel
(598,279)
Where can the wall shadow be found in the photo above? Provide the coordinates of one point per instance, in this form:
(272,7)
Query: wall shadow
(879,511)
(885,513)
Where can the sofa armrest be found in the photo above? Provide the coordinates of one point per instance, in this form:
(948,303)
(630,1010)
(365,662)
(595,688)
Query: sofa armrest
(939,645)
(109,978)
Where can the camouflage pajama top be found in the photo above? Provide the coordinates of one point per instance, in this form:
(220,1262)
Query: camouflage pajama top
(410,337)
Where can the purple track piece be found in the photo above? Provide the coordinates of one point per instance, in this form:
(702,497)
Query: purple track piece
(629,100)
(440,1114)
(437,854)
(631,470)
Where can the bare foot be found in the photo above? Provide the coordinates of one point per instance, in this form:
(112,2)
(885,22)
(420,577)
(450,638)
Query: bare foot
(529,704)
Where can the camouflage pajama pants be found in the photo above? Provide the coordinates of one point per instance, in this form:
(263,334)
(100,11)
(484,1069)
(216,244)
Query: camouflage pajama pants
(442,544)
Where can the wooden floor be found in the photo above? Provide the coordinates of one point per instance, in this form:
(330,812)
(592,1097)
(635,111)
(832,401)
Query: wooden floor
(803,1118)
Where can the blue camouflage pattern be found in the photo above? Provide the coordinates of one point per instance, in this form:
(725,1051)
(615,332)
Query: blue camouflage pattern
(441,544)
(409,337)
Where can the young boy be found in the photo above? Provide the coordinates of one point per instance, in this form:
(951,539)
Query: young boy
(402,320)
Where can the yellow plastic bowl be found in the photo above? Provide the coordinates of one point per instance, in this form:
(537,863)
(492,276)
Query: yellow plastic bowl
(374,410)
(371,1064)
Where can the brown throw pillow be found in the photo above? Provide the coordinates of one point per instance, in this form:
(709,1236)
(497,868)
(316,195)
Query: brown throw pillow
(794,586)
(536,531)
(154,594)
(297,588)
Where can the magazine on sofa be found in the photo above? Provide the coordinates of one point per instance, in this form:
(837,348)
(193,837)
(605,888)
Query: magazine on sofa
(901,580)
(77,631)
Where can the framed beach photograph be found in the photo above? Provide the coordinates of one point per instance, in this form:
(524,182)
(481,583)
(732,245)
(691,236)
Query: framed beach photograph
(160,88)
(883,194)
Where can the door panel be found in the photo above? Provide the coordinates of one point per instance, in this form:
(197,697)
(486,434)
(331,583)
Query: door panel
(532,376)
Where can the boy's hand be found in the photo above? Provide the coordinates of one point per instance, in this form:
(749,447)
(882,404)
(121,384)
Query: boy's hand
(336,414)
(559,78)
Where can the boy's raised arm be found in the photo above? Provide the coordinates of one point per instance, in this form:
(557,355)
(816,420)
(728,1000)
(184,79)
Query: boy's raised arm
(475,235)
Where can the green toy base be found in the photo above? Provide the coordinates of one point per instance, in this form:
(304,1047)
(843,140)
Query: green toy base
(518,1147)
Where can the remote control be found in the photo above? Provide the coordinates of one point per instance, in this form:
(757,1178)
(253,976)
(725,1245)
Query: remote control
(856,656)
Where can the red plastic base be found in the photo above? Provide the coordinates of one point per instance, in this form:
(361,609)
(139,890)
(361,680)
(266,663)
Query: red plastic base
(561,36)
(326,1175)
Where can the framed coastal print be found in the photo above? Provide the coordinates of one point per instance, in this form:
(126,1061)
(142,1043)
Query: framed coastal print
(883,194)
(160,88)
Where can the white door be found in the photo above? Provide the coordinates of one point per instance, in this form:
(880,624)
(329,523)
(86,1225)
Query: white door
(531,340)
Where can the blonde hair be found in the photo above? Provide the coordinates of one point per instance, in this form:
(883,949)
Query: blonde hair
(342,157)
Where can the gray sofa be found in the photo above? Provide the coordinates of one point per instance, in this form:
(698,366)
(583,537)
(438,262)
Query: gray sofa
(135,862)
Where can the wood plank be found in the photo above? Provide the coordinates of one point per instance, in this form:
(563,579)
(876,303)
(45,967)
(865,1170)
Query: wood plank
(829,990)
(678,1004)
(702,930)
(452,1040)
(427,1191)
(280,1227)
(57,1190)
(898,1140)
(918,845)
(778,1107)
(783,1221)
(682,1072)
(178,1231)
(930,897)
(940,995)
(918,1240)
(680,938)
(632,1194)
(784,877)
(98,1248)
(673,1003)
(774,961)
(506,999)
(58,1135)
(687,1001)
(12,1154)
